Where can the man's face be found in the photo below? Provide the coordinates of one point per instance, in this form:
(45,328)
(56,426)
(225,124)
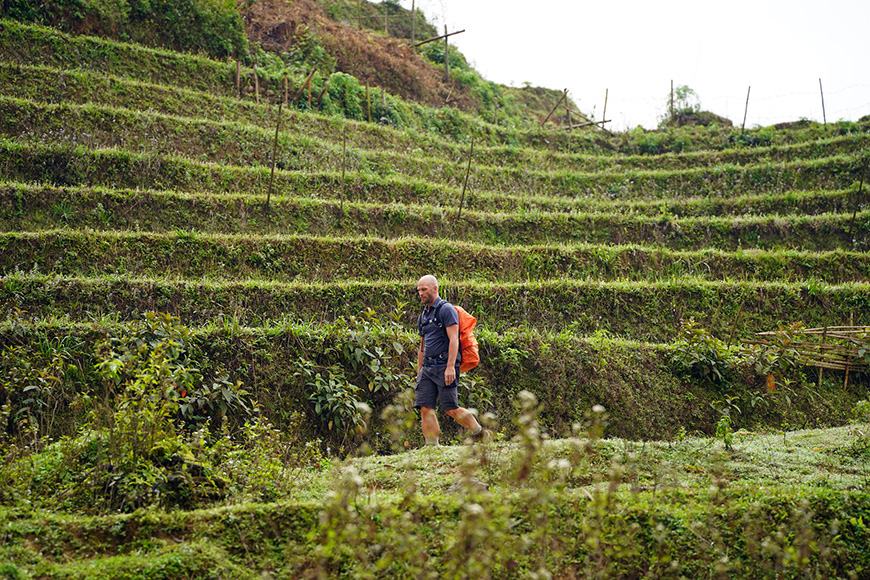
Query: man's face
(427,292)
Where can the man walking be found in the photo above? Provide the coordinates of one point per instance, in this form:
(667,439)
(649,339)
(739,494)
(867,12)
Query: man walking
(438,365)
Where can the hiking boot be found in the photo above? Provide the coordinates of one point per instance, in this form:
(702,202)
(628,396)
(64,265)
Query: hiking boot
(485,436)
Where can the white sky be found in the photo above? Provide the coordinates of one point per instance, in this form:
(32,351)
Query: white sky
(634,48)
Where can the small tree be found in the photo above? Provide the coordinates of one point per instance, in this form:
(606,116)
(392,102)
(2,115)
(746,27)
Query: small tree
(682,102)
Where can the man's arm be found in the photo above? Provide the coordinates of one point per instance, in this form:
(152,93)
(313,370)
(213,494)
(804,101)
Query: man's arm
(420,352)
(452,351)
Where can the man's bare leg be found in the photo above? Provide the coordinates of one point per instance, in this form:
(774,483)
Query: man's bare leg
(431,428)
(465,418)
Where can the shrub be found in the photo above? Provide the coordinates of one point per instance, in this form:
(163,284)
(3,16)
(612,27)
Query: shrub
(705,355)
(210,26)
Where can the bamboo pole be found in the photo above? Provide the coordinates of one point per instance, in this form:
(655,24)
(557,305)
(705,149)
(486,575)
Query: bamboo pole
(736,320)
(274,156)
(413,21)
(322,92)
(745,109)
(589,123)
(305,84)
(446,56)
(256,84)
(822,369)
(285,89)
(824,114)
(823,329)
(855,204)
(604,112)
(343,165)
(562,98)
(238,78)
(465,184)
(434,38)
(849,352)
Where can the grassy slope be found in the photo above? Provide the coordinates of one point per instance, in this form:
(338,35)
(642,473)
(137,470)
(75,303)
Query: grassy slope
(778,505)
(182,174)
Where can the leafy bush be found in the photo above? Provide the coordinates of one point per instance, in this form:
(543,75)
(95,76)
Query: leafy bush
(778,353)
(334,399)
(35,391)
(154,362)
(157,433)
(210,26)
(705,355)
(345,96)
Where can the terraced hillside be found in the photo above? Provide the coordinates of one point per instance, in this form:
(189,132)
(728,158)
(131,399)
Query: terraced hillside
(124,193)
(207,348)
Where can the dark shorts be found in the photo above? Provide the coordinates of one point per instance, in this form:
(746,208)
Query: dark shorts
(431,389)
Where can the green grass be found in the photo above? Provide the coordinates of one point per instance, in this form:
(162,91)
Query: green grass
(647,311)
(189,254)
(35,207)
(138,132)
(38,45)
(54,85)
(789,504)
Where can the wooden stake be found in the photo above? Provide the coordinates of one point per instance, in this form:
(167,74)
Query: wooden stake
(343,164)
(562,98)
(322,92)
(386,20)
(736,320)
(256,84)
(413,21)
(285,89)
(274,156)
(446,56)
(434,38)
(855,204)
(465,184)
(821,369)
(745,109)
(589,123)
(307,82)
(238,78)
(846,381)
(824,115)
(604,112)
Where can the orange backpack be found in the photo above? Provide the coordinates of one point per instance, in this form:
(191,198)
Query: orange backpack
(467,341)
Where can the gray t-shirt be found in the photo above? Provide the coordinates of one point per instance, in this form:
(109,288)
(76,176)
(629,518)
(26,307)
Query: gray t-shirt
(435,335)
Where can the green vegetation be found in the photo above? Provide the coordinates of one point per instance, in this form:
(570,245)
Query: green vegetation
(206,368)
(210,26)
(189,254)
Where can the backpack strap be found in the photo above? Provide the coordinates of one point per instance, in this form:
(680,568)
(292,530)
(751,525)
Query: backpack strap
(441,302)
(435,314)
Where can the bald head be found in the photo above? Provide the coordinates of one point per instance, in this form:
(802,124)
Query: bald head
(429,280)
(427,289)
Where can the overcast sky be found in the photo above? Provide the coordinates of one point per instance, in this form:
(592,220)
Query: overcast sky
(635,48)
